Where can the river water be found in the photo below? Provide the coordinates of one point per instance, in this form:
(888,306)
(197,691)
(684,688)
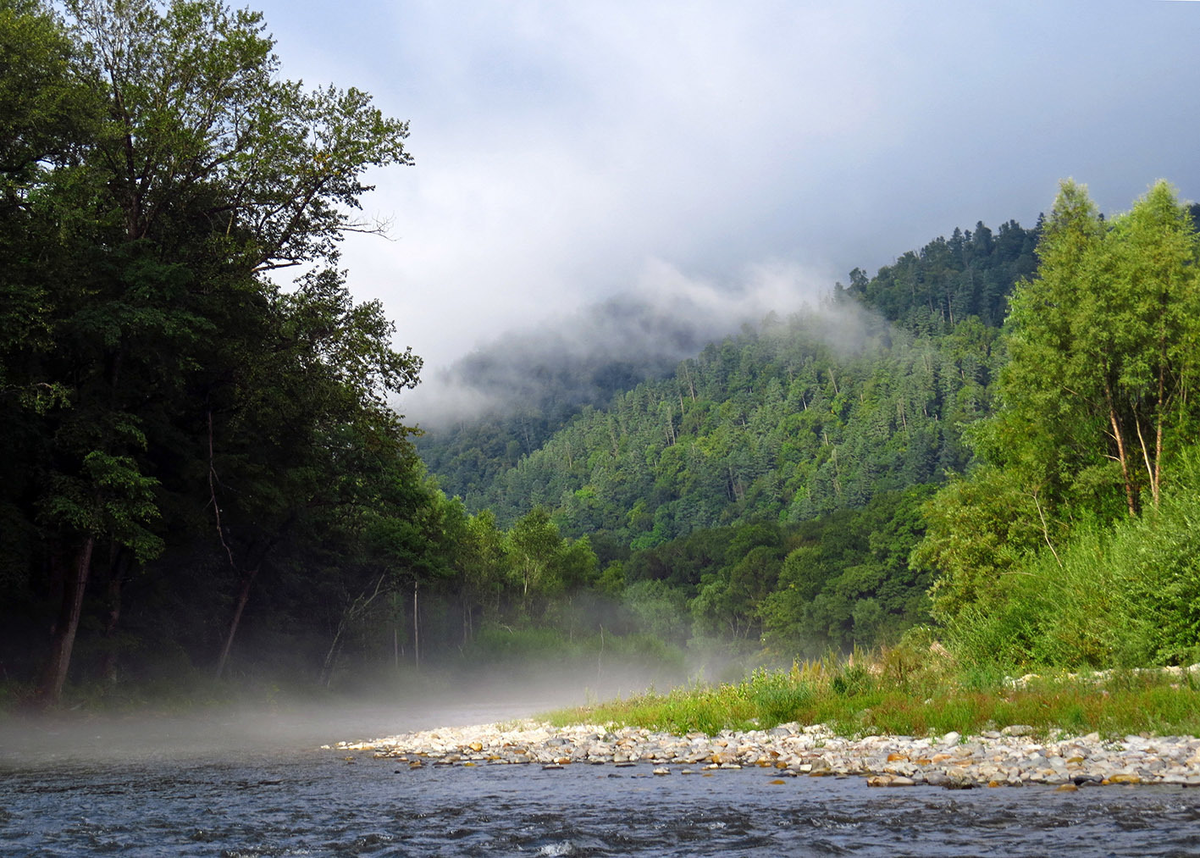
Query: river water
(256,784)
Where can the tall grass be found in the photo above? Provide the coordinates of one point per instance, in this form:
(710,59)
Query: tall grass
(906,691)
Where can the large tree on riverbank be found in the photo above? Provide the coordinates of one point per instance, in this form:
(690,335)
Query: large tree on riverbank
(155,167)
(1103,346)
(1097,400)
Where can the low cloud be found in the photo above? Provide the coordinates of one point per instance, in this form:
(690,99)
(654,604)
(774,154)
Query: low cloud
(561,145)
(568,360)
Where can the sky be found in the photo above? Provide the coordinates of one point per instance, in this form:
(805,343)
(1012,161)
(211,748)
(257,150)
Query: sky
(736,158)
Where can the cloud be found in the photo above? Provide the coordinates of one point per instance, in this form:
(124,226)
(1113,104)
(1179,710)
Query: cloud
(580,357)
(568,153)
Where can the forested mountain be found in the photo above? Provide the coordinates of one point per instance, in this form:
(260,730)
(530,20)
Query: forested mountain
(776,424)
(768,492)
(787,421)
(539,382)
(526,385)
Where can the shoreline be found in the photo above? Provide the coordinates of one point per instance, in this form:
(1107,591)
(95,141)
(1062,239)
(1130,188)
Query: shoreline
(1009,757)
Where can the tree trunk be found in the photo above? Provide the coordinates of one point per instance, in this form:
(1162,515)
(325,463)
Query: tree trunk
(1122,457)
(68,623)
(331,656)
(416,630)
(118,565)
(243,596)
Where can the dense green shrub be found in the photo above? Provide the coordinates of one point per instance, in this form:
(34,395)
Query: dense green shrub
(1126,595)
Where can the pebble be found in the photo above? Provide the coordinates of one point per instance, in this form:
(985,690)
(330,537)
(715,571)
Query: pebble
(1012,756)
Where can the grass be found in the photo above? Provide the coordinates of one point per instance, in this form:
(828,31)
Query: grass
(890,693)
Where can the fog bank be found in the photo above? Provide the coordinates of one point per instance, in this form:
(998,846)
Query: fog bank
(294,725)
(584,357)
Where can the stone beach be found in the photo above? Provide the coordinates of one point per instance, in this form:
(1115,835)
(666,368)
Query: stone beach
(1008,757)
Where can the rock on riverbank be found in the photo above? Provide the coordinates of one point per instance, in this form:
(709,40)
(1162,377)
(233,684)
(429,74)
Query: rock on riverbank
(1010,757)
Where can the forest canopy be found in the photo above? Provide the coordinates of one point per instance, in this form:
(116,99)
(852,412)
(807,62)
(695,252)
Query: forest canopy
(169,408)
(1072,542)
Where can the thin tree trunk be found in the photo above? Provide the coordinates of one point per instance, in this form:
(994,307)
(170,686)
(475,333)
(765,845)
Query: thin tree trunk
(1130,495)
(118,565)
(67,625)
(331,656)
(1046,529)
(243,597)
(1137,424)
(416,630)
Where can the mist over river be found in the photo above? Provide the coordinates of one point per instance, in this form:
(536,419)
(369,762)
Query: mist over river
(255,783)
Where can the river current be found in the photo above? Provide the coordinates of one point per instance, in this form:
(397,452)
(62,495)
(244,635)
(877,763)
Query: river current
(210,787)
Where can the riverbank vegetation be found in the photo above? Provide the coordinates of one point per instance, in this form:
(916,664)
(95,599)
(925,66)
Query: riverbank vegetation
(992,438)
(1071,542)
(895,692)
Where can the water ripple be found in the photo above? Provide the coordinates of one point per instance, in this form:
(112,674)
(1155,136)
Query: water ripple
(318,804)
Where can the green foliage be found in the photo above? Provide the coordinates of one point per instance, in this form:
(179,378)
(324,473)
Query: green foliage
(1061,550)
(700,709)
(1125,595)
(544,562)
(832,583)
(659,609)
(778,698)
(979,529)
(780,425)
(1102,345)
(950,280)
(172,415)
(849,582)
(111,497)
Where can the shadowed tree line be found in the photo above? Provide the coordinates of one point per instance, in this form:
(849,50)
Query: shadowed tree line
(176,421)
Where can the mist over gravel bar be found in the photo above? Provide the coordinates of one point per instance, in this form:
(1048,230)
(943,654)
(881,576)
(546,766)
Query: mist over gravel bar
(1009,757)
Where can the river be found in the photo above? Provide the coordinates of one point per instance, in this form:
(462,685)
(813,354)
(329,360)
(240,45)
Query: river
(256,784)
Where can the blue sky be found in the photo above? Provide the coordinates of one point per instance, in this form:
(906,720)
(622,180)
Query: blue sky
(732,157)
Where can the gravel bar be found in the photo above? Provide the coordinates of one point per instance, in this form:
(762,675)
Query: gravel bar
(1012,756)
